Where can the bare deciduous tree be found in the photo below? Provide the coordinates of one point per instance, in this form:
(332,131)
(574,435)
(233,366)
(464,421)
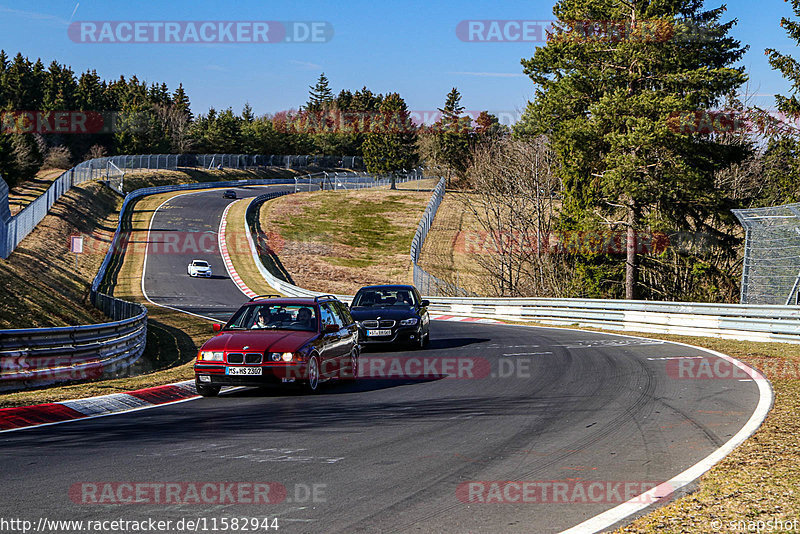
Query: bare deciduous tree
(515,201)
(176,122)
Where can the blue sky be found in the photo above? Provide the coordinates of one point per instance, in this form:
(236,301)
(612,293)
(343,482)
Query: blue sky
(410,47)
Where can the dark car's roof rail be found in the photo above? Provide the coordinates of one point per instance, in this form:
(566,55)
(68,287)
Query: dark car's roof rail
(271,295)
(324,297)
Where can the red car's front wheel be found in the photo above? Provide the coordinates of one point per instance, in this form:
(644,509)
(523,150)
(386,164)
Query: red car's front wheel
(311,383)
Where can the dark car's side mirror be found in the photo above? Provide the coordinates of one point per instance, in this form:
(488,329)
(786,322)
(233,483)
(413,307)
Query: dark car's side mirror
(331,328)
(217,327)
(425,303)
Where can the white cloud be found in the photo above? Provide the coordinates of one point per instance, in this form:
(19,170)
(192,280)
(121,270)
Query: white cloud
(35,15)
(305,64)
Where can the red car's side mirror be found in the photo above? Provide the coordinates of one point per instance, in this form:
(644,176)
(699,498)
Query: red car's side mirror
(331,328)
(217,327)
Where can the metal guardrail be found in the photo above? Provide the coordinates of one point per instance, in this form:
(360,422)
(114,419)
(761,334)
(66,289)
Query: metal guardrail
(731,321)
(36,357)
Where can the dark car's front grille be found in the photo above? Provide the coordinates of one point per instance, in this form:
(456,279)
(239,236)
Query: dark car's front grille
(383,323)
(235,357)
(252,358)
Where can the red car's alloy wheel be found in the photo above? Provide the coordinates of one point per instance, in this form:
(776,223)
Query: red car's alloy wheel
(312,375)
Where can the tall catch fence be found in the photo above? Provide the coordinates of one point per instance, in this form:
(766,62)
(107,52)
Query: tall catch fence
(231,161)
(771,266)
(427,283)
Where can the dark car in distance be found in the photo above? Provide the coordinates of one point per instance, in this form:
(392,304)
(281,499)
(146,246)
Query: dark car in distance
(391,314)
(230,193)
(274,340)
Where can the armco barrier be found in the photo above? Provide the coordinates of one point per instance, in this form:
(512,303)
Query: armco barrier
(730,321)
(251,215)
(44,356)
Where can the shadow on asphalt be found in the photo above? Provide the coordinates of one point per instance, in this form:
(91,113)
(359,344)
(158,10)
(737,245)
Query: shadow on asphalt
(333,387)
(440,344)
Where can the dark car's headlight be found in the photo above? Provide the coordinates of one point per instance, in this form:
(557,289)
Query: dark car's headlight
(409,322)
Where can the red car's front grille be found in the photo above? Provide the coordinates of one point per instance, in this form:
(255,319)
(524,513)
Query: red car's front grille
(251,358)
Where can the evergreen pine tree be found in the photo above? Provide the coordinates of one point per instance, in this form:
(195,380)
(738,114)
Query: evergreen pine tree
(605,105)
(320,95)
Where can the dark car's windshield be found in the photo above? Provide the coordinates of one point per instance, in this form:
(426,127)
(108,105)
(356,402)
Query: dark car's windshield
(381,298)
(274,317)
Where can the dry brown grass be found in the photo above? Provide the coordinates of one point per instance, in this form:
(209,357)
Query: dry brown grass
(39,284)
(445,255)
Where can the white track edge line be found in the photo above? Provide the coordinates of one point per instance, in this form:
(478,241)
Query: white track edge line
(686,477)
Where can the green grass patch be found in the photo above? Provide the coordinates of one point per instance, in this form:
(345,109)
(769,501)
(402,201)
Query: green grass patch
(362,223)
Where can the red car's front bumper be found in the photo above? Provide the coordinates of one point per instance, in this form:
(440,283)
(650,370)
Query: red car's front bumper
(217,374)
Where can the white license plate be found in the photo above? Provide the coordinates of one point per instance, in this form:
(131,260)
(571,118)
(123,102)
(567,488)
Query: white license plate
(243,370)
(379,332)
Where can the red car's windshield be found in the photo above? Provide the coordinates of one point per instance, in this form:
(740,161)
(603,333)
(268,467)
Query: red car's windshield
(274,317)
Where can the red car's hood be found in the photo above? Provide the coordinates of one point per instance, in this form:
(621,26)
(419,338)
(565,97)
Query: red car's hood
(259,341)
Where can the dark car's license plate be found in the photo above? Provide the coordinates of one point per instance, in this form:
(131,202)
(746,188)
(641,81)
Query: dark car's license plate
(371,333)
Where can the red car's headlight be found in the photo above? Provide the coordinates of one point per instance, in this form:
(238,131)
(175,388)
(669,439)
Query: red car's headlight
(208,356)
(281,356)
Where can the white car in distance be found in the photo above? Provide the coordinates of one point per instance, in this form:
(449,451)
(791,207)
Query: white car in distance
(199,268)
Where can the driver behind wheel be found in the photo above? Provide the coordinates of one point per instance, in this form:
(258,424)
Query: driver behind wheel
(262,318)
(304,318)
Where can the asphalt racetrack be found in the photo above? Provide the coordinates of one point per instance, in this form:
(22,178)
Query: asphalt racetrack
(390,453)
